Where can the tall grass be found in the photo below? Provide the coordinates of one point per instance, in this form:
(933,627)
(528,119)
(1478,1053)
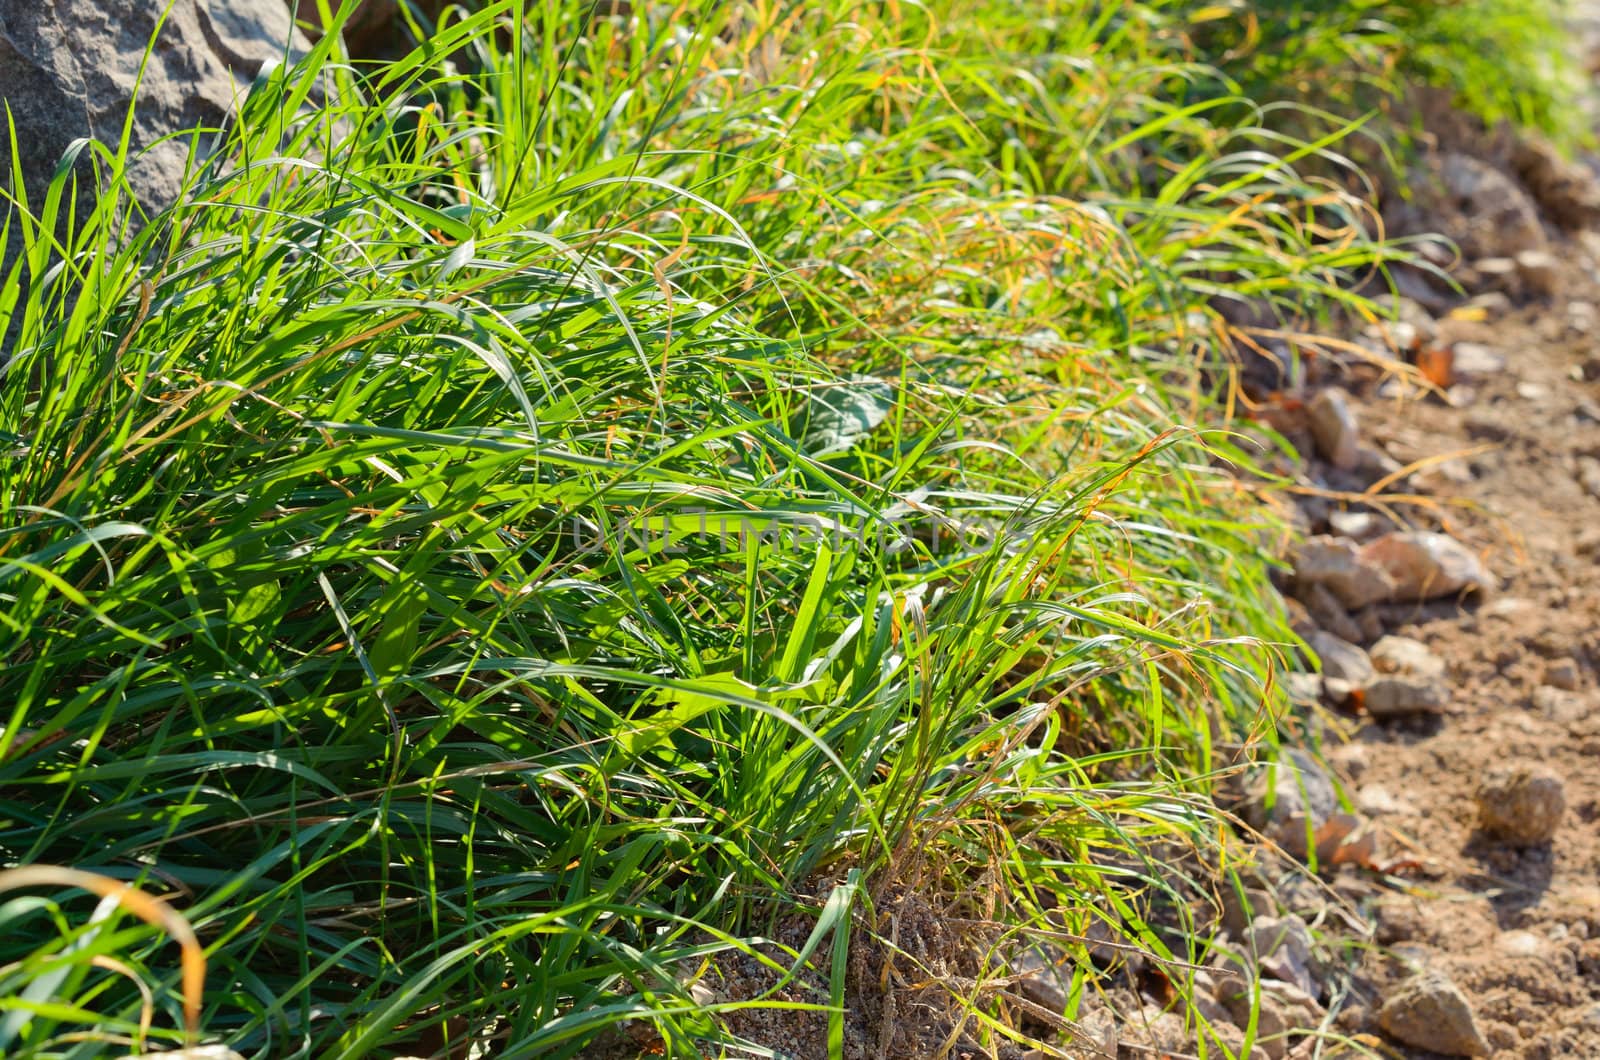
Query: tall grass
(526,524)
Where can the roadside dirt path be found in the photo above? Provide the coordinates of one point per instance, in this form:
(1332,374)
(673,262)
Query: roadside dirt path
(1516,440)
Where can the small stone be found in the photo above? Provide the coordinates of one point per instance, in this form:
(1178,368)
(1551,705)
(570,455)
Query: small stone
(1411,679)
(1394,696)
(1370,622)
(1521,804)
(1421,565)
(1540,272)
(1375,800)
(1475,359)
(1304,689)
(1342,660)
(1493,303)
(1339,565)
(1395,654)
(1358,526)
(1284,796)
(1562,674)
(1285,1008)
(1352,759)
(1519,944)
(1281,946)
(1589,475)
(1328,613)
(1239,912)
(1334,428)
(1581,316)
(1374,463)
(1043,975)
(1428,1011)
(1560,705)
(1531,391)
(1500,272)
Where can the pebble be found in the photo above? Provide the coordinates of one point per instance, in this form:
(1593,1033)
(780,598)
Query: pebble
(1411,679)
(1589,475)
(1475,359)
(1284,1008)
(1519,944)
(1375,800)
(1428,1011)
(1522,805)
(1283,796)
(1342,660)
(1281,947)
(1338,565)
(1044,975)
(1395,654)
(1334,428)
(1399,695)
(1239,912)
(1358,526)
(1539,271)
(1328,613)
(1560,705)
(1562,674)
(1421,565)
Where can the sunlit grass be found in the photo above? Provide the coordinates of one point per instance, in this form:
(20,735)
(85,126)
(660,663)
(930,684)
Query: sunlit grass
(487,552)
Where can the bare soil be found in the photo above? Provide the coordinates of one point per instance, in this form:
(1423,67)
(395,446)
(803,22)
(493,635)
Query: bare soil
(1518,929)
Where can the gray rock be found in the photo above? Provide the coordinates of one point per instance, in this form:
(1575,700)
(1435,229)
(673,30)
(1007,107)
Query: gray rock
(1239,912)
(1410,679)
(1557,704)
(1399,695)
(1521,804)
(1421,566)
(1283,797)
(1358,526)
(1474,360)
(1562,674)
(1428,1011)
(1497,218)
(1395,654)
(1334,428)
(1338,565)
(68,70)
(1342,660)
(1326,612)
(1043,974)
(68,67)
(1281,947)
(1284,1009)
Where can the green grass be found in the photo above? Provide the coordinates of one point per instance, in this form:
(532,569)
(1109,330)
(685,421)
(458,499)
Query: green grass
(490,555)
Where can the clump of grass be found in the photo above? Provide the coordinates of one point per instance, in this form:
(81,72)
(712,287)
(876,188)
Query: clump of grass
(518,522)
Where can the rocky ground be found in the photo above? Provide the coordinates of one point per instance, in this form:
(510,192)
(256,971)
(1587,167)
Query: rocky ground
(1449,586)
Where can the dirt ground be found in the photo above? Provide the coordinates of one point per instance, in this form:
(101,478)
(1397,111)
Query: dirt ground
(1518,929)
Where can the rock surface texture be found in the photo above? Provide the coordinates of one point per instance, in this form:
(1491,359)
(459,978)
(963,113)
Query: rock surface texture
(68,70)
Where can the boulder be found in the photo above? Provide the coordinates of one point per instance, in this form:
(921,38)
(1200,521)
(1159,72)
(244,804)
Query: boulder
(68,69)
